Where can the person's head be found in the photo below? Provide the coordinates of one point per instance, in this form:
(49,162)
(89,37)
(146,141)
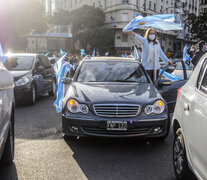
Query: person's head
(202,45)
(151,35)
(193,48)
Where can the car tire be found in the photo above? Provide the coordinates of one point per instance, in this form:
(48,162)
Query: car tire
(52,91)
(8,153)
(33,95)
(180,161)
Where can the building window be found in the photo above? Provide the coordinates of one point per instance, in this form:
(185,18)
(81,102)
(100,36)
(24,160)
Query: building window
(161,9)
(124,38)
(99,3)
(75,1)
(94,4)
(154,6)
(125,17)
(150,5)
(125,1)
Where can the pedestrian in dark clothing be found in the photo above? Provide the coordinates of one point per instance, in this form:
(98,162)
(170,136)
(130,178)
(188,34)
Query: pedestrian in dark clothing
(199,53)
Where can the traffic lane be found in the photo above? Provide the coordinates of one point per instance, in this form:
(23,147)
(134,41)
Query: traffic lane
(92,158)
(37,121)
(41,152)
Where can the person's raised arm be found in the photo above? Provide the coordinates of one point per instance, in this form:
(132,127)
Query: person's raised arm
(164,57)
(137,36)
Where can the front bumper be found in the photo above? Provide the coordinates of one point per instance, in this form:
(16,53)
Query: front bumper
(22,93)
(136,127)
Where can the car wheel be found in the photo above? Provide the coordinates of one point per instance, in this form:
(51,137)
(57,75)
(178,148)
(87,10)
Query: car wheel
(180,161)
(52,91)
(32,97)
(8,153)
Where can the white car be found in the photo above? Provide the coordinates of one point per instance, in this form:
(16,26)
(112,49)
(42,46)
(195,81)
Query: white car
(190,125)
(6,117)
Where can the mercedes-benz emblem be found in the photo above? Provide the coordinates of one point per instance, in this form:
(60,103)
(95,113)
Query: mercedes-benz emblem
(116,97)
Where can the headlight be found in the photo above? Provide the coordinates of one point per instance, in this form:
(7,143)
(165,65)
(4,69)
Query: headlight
(75,107)
(22,81)
(158,107)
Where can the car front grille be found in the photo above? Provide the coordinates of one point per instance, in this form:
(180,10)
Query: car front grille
(117,110)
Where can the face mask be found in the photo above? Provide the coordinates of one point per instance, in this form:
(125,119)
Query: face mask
(152,37)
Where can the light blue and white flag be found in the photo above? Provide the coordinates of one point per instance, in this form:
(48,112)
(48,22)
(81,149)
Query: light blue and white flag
(60,94)
(136,55)
(58,65)
(47,53)
(62,53)
(82,52)
(107,53)
(186,57)
(94,52)
(2,55)
(170,76)
(160,21)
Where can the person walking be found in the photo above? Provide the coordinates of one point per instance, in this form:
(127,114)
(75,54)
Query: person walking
(201,50)
(151,52)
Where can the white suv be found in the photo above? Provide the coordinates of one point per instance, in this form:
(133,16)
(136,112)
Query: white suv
(190,126)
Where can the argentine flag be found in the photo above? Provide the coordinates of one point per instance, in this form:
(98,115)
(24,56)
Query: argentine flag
(160,21)
(2,55)
(60,95)
(94,53)
(136,55)
(186,57)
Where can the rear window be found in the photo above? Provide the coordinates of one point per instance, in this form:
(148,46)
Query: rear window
(112,71)
(19,63)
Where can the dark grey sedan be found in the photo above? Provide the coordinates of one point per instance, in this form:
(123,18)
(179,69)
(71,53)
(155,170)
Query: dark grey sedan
(114,97)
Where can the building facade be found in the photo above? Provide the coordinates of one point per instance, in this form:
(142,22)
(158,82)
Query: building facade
(203,6)
(120,12)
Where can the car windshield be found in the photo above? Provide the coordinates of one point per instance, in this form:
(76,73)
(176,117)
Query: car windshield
(112,71)
(19,63)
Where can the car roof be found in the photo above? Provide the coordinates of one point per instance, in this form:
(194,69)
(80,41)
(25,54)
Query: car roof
(22,54)
(108,58)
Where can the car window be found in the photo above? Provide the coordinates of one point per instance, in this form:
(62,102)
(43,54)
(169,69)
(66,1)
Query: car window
(38,63)
(45,62)
(20,63)
(174,73)
(204,83)
(201,73)
(112,71)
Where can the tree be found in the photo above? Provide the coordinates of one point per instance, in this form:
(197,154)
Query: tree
(23,16)
(88,28)
(197,26)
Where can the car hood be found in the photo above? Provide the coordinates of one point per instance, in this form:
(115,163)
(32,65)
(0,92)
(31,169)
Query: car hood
(18,74)
(142,93)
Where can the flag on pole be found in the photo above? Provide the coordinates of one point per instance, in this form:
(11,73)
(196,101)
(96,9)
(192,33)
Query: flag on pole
(47,53)
(94,52)
(136,55)
(186,57)
(160,21)
(60,94)
(107,53)
(82,52)
(62,52)
(2,55)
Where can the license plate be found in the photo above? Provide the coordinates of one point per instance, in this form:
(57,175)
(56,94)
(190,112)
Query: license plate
(117,125)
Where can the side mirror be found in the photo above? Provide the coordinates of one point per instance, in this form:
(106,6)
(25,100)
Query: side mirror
(40,68)
(66,80)
(164,82)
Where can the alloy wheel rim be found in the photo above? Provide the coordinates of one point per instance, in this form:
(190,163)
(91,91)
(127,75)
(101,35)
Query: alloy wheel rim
(178,155)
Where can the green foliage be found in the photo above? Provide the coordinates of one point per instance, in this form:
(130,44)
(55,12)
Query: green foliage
(88,27)
(25,16)
(198,26)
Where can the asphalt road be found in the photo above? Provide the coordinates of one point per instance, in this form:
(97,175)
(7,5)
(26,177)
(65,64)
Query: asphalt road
(42,153)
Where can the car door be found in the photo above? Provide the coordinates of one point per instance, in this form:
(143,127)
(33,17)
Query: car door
(38,75)
(48,73)
(195,122)
(6,101)
(169,93)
